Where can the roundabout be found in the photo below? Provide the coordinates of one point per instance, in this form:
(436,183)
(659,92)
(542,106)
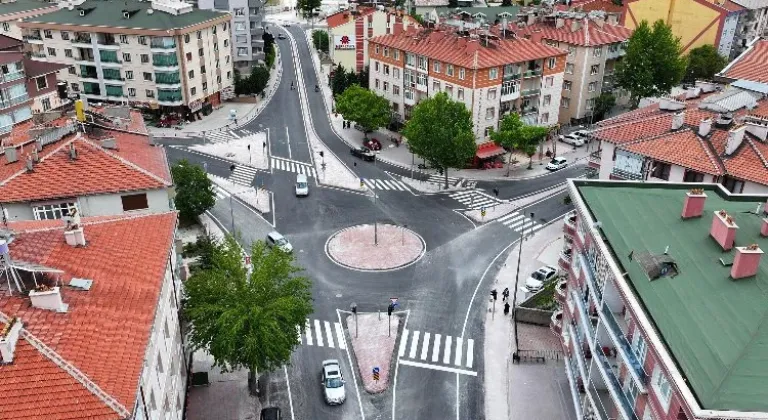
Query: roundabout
(375,248)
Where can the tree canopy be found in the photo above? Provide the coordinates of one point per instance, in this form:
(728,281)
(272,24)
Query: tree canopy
(247,320)
(703,63)
(653,63)
(194,191)
(363,107)
(440,132)
(603,104)
(308,6)
(343,79)
(514,134)
(320,40)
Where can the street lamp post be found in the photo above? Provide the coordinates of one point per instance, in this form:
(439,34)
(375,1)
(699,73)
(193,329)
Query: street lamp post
(231,205)
(517,278)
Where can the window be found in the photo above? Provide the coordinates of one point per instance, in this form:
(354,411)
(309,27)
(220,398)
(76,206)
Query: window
(661,170)
(53,211)
(547,100)
(591,87)
(590,103)
(202,70)
(142,40)
(147,76)
(200,52)
(217,63)
(693,176)
(166,330)
(491,94)
(386,69)
(545,118)
(131,92)
(423,63)
(191,74)
(594,69)
(129,75)
(6,27)
(377,48)
(376,83)
(421,79)
(205,85)
(662,388)
(490,113)
(461,73)
(75,87)
(65,35)
(551,62)
(436,66)
(376,67)
(436,86)
(509,87)
(240,11)
(41,82)
(386,87)
(159,364)
(193,91)
(134,202)
(241,39)
(229,75)
(199,35)
(150,93)
(565,102)
(218,79)
(493,73)
(67,53)
(226,43)
(571,50)
(242,51)
(396,54)
(631,390)
(386,51)
(549,81)
(48,34)
(52,52)
(449,69)
(127,57)
(226,59)
(598,51)
(72,70)
(144,58)
(46,102)
(569,68)
(123,39)
(395,90)
(396,73)
(449,91)
(186,38)
(460,94)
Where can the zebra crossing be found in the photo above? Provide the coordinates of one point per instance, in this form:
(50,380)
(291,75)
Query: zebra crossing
(221,193)
(427,349)
(386,184)
(519,222)
(293,166)
(228,135)
(452,180)
(474,199)
(322,334)
(243,175)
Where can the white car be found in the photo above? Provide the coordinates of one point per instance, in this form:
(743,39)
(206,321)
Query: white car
(583,134)
(302,186)
(557,163)
(539,278)
(333,383)
(572,139)
(275,239)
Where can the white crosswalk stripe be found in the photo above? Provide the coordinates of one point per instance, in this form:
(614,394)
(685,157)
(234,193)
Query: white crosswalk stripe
(218,136)
(243,175)
(440,178)
(245,132)
(385,184)
(451,348)
(474,199)
(221,193)
(519,222)
(293,166)
(322,334)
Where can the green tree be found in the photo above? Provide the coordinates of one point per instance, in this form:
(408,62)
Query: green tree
(652,64)
(194,191)
(247,320)
(603,104)
(320,40)
(363,107)
(440,132)
(514,134)
(339,82)
(307,7)
(363,77)
(258,79)
(239,87)
(703,63)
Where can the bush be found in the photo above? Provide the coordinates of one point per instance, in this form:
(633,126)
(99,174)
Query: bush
(270,56)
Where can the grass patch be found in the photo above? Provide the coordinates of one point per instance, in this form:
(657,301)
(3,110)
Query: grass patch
(545,299)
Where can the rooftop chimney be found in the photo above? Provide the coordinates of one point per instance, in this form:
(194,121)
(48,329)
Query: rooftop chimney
(723,229)
(735,137)
(706,87)
(11,154)
(678,119)
(72,151)
(531,19)
(109,143)
(692,93)
(764,228)
(45,297)
(559,22)
(9,336)
(30,164)
(746,262)
(705,127)
(39,145)
(612,19)
(536,36)
(694,203)
(73,231)
(758,128)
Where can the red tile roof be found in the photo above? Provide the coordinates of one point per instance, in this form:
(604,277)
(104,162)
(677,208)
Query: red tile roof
(445,45)
(749,162)
(732,7)
(105,331)
(344,16)
(589,34)
(683,148)
(751,65)
(33,68)
(591,5)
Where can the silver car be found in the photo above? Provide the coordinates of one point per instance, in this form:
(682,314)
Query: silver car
(333,383)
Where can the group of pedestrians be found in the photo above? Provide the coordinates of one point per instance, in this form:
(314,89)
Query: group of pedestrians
(505,299)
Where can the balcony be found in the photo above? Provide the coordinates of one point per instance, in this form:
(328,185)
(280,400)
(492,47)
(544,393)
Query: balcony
(532,73)
(169,81)
(569,224)
(564,260)
(629,176)
(595,288)
(514,76)
(34,39)
(170,97)
(82,41)
(39,56)
(9,77)
(594,159)
(165,62)
(586,321)
(616,332)
(611,380)
(530,92)
(89,77)
(107,43)
(7,103)
(603,404)
(578,350)
(421,88)
(409,99)
(510,94)
(576,386)
(556,323)
(529,110)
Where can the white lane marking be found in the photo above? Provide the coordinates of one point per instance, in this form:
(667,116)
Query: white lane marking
(233,134)
(382,185)
(436,348)
(414,344)
(308,333)
(319,333)
(288,142)
(290,397)
(403,341)
(354,377)
(425,346)
(470,352)
(437,367)
(447,355)
(459,349)
(340,336)
(369,184)
(505,217)
(329,334)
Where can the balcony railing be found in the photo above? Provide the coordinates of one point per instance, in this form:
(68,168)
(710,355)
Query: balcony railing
(512,76)
(628,353)
(532,73)
(33,37)
(7,103)
(163,43)
(594,287)
(594,157)
(614,386)
(565,261)
(531,110)
(586,320)
(5,78)
(578,350)
(531,92)
(599,407)
(81,39)
(574,379)
(38,54)
(629,176)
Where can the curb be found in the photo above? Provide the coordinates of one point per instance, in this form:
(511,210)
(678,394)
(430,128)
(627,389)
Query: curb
(195,152)
(326,248)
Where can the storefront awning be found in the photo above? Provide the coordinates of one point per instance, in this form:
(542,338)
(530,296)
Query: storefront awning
(489,150)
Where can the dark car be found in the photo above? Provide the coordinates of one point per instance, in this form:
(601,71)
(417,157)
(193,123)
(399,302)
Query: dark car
(372,144)
(363,153)
(281,36)
(270,413)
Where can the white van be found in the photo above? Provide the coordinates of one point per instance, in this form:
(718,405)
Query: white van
(275,239)
(302,186)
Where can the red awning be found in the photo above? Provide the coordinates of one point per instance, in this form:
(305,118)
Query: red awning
(489,150)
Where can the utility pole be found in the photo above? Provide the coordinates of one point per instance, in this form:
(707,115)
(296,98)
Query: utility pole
(517,278)
(494,296)
(354,311)
(231,205)
(390,308)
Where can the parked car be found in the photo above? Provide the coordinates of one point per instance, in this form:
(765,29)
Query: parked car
(270,413)
(584,134)
(572,139)
(372,144)
(363,153)
(275,239)
(333,382)
(539,278)
(557,163)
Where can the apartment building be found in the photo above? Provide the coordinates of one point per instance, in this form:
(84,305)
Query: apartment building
(154,54)
(247,30)
(660,316)
(15,102)
(491,75)
(13,11)
(89,324)
(350,31)
(595,43)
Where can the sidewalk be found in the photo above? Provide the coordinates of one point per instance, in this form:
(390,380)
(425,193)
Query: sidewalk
(524,391)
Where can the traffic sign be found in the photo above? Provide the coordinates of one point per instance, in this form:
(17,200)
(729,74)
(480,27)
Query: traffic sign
(482,212)
(361,183)
(394,301)
(376,374)
(376,369)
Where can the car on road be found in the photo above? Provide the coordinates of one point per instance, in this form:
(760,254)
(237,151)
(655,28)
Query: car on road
(302,185)
(372,144)
(270,413)
(275,239)
(281,36)
(557,163)
(333,382)
(572,139)
(363,153)
(539,278)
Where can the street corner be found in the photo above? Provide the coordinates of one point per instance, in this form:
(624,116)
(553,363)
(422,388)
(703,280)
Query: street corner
(373,338)
(358,247)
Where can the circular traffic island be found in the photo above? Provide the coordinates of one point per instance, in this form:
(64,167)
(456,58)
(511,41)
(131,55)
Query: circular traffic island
(380,247)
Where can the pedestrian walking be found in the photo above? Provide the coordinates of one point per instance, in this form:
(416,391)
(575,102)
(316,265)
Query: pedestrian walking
(505,294)
(506,308)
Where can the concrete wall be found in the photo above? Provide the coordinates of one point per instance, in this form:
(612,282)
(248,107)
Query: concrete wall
(94,205)
(533,316)
(606,160)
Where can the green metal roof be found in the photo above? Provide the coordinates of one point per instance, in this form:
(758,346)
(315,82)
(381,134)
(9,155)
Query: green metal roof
(23,6)
(716,328)
(108,13)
